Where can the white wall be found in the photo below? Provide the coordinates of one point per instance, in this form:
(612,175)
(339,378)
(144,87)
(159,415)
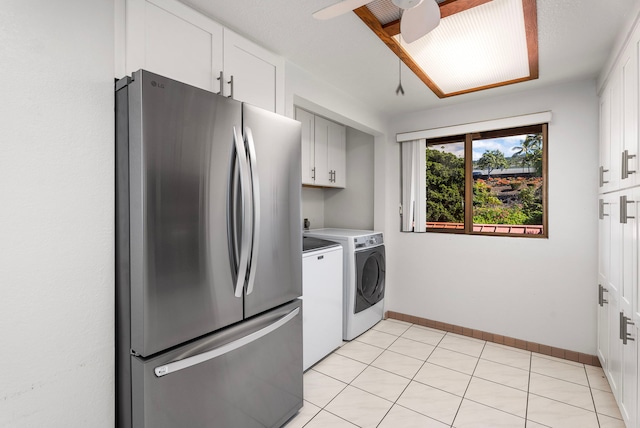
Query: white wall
(313,206)
(540,290)
(305,90)
(56,213)
(352,207)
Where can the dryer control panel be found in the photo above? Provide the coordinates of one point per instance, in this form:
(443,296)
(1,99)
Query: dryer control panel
(368,241)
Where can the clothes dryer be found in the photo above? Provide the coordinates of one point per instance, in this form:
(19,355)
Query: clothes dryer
(364,277)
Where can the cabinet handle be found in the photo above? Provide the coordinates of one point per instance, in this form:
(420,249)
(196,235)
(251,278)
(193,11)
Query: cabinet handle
(601,213)
(602,180)
(623,209)
(220,79)
(625,164)
(230,82)
(313,173)
(624,334)
(601,291)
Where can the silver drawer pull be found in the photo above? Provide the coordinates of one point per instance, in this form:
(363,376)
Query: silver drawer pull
(601,291)
(625,164)
(601,213)
(602,180)
(624,216)
(224,349)
(624,323)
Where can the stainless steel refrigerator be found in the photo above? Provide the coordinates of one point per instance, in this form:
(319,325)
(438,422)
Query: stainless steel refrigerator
(209,266)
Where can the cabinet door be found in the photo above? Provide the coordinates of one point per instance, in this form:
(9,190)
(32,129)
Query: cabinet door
(321,150)
(322,300)
(616,133)
(627,156)
(604,254)
(256,73)
(629,204)
(614,365)
(168,38)
(605,140)
(337,154)
(308,158)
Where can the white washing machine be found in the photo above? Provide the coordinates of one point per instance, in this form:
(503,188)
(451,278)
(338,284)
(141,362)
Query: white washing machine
(364,277)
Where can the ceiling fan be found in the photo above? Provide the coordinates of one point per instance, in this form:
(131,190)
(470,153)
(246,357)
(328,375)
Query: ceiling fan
(419,16)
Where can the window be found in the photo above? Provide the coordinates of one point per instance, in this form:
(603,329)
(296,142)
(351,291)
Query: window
(445,183)
(490,182)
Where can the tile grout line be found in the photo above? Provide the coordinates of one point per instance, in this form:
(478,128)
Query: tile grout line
(593,400)
(367,366)
(396,400)
(467,388)
(526,407)
(410,380)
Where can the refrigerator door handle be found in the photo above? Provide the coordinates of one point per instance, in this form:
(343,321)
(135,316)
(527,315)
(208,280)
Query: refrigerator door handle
(255,190)
(246,204)
(224,349)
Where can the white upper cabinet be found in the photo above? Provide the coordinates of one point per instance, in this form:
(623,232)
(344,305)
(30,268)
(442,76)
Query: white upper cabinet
(611,174)
(336,154)
(323,151)
(628,152)
(619,144)
(308,155)
(330,157)
(604,173)
(169,38)
(256,72)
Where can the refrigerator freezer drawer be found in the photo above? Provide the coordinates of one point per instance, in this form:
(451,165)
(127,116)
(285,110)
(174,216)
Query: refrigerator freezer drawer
(249,375)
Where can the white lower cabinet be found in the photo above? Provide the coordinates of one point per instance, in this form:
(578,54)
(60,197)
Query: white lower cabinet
(322,297)
(618,297)
(604,265)
(167,37)
(629,202)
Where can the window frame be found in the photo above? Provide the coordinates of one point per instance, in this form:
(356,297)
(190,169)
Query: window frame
(468,177)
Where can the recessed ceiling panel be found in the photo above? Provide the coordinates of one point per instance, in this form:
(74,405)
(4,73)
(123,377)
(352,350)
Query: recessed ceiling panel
(384,10)
(478,47)
(479,44)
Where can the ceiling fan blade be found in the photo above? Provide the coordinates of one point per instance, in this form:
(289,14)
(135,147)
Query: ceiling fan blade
(418,21)
(339,8)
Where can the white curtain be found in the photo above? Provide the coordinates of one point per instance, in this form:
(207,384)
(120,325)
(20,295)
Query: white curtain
(414,186)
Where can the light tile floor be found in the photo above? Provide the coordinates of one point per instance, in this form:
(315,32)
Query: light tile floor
(400,375)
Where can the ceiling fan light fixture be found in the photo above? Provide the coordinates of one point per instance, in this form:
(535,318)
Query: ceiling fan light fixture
(419,21)
(407,4)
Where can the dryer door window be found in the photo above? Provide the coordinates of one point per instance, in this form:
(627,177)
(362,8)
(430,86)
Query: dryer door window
(370,268)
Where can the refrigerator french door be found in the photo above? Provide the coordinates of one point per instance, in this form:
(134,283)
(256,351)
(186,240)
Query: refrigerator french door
(208,259)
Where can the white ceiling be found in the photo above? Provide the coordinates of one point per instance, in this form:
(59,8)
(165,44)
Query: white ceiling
(574,38)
